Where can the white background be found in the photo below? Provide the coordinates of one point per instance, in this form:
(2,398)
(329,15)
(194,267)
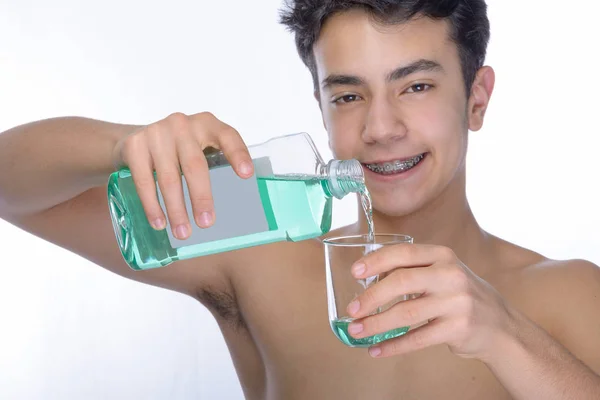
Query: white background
(70,330)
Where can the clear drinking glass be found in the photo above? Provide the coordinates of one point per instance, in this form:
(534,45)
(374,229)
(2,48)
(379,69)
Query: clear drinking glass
(342,287)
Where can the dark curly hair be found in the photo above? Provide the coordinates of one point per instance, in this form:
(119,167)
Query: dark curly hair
(469,24)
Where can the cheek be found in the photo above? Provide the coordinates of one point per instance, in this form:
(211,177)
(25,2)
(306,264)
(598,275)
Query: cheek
(343,144)
(343,129)
(445,131)
(344,117)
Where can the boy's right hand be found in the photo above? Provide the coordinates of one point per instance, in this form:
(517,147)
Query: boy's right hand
(173,146)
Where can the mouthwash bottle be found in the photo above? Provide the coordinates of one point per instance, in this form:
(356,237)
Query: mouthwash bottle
(289,198)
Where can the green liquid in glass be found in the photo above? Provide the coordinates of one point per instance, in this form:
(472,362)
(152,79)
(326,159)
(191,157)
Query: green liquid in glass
(340,329)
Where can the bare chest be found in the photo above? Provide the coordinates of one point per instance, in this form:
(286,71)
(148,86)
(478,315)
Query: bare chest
(283,301)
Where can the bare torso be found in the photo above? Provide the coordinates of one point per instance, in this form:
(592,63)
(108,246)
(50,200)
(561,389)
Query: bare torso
(270,302)
(277,329)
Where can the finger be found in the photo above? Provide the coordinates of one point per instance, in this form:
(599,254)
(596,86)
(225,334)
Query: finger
(195,169)
(139,162)
(402,255)
(235,150)
(403,281)
(402,314)
(164,156)
(431,334)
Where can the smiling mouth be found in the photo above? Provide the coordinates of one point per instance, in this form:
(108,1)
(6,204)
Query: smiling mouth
(397,166)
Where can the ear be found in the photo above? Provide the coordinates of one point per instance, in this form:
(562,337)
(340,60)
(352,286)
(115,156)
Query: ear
(481,92)
(317,95)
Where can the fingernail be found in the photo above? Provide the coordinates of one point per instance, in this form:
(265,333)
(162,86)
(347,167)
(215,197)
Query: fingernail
(158,223)
(181,232)
(205,219)
(355,328)
(246,168)
(374,351)
(353,307)
(359,269)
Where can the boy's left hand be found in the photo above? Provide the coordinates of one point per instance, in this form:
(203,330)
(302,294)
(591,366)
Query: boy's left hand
(458,308)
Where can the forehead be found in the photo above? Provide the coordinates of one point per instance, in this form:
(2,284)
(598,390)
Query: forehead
(352,42)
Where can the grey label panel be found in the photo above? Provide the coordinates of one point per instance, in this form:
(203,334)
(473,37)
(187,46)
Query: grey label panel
(238,207)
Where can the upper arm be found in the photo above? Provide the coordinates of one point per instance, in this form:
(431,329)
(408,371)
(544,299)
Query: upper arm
(572,297)
(83,225)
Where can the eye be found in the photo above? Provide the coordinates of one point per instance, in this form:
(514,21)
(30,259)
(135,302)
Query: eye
(345,99)
(418,88)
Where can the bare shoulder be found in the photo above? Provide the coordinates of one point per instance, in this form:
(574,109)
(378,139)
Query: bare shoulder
(563,297)
(566,279)
(552,289)
(242,260)
(539,273)
(282,251)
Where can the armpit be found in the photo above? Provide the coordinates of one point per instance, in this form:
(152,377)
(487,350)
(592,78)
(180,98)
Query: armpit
(222,305)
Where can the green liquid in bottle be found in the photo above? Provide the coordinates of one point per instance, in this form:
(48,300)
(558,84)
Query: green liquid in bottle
(340,329)
(295,209)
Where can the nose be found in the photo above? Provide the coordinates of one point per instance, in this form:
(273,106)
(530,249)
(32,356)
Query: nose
(383,124)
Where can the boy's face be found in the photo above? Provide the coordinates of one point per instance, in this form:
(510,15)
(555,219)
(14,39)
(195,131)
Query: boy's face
(391,93)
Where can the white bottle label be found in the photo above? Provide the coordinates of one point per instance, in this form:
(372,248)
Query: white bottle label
(238,206)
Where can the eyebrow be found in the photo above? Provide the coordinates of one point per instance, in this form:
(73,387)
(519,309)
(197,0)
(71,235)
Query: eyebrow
(398,73)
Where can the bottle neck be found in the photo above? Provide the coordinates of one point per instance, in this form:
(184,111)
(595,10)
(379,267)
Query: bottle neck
(344,177)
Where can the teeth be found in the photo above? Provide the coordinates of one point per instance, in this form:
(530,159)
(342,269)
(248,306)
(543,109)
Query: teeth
(395,166)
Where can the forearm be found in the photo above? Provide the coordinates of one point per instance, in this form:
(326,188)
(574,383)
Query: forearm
(47,162)
(532,365)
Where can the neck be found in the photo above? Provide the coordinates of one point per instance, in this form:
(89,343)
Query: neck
(447,221)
